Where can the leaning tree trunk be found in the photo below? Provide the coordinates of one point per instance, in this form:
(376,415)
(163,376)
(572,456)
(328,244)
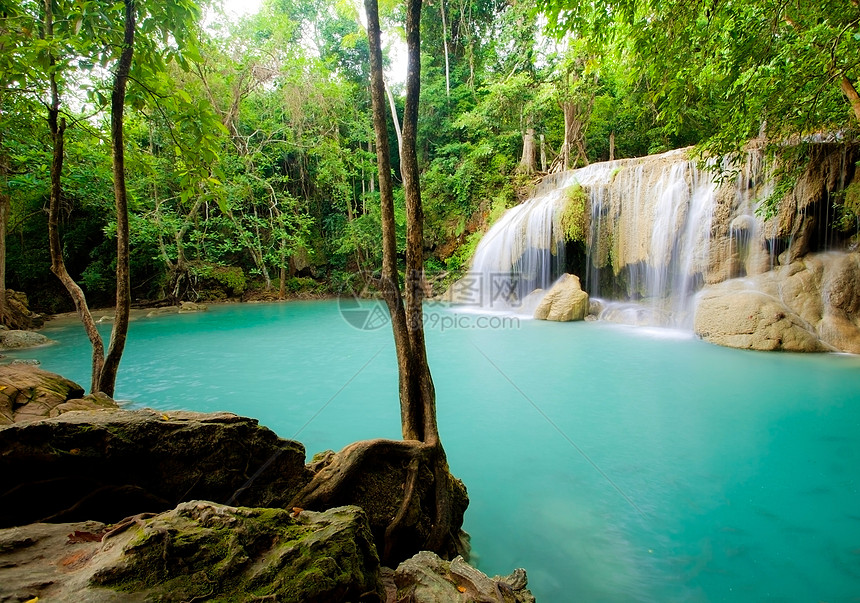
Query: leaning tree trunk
(851,94)
(107,379)
(415,503)
(57,127)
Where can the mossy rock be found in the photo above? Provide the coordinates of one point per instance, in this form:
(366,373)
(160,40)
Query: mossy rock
(243,554)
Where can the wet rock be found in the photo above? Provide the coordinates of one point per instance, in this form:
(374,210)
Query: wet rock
(197,551)
(25,362)
(28,393)
(811,305)
(162,311)
(187,307)
(107,464)
(15,340)
(565,301)
(753,320)
(425,578)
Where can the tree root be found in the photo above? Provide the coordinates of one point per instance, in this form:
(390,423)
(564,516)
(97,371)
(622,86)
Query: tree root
(412,501)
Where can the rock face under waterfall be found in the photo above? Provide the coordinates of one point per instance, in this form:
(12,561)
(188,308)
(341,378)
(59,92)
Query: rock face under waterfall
(810,305)
(566,301)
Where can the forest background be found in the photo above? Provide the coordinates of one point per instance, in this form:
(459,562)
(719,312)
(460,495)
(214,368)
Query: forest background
(250,165)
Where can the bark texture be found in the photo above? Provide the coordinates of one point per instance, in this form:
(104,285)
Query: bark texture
(107,378)
(415,501)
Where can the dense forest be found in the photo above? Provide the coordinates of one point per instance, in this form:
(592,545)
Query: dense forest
(249,162)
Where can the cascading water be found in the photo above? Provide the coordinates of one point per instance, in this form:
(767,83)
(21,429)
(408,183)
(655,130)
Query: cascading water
(662,220)
(524,250)
(648,242)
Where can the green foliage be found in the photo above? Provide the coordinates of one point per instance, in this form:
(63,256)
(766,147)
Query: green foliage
(727,72)
(232,278)
(572,217)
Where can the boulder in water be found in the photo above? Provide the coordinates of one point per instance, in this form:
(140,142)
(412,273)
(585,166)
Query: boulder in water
(187,306)
(565,301)
(753,320)
(810,305)
(15,340)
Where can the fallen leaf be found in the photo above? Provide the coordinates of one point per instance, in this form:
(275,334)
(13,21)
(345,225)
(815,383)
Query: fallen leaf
(75,451)
(296,511)
(165,418)
(462,589)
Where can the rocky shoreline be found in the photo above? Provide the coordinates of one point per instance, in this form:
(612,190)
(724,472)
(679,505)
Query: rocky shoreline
(100,503)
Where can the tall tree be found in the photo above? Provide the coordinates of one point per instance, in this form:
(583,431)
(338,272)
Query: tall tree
(421,450)
(119,333)
(84,27)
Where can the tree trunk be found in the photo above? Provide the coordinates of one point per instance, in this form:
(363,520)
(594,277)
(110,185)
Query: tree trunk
(528,164)
(543,153)
(5,210)
(334,482)
(395,120)
(567,109)
(612,145)
(851,93)
(107,379)
(390,283)
(422,403)
(445,48)
(57,127)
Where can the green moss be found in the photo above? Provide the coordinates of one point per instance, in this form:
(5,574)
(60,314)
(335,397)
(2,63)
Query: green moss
(572,218)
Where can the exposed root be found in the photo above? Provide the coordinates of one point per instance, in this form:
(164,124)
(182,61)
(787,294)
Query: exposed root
(408,492)
(126,524)
(405,488)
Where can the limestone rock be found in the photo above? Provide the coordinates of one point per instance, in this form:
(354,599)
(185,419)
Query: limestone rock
(187,306)
(94,401)
(197,551)
(565,301)
(425,578)
(20,316)
(162,311)
(107,464)
(28,393)
(15,340)
(753,320)
(812,304)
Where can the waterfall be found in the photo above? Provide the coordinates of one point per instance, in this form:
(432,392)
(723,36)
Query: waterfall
(649,244)
(524,251)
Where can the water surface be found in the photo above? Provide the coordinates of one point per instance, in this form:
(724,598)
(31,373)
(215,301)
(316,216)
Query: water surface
(615,464)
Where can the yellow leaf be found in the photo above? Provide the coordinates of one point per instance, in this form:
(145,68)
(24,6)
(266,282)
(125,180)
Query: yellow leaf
(34,600)
(165,418)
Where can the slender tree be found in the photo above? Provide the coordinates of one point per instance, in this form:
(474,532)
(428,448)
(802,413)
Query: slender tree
(421,451)
(57,128)
(119,333)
